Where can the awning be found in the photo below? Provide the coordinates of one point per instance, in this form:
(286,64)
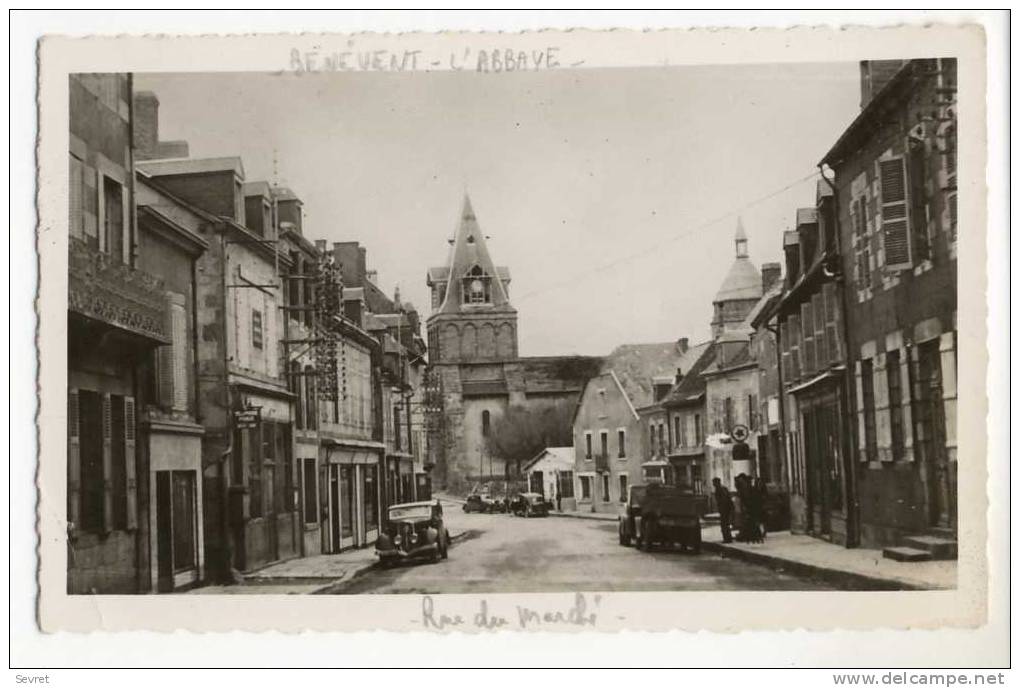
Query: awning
(656,463)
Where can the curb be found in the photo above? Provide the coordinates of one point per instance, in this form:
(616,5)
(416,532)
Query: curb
(586,516)
(838,577)
(356,571)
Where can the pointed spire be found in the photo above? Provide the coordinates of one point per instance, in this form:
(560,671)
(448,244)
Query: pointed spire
(740,239)
(469,254)
(396,296)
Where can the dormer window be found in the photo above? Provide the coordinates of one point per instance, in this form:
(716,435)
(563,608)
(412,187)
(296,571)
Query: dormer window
(476,286)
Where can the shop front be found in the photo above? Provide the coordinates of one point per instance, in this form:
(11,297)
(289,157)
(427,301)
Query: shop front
(306,472)
(351,489)
(177,552)
(263,493)
(823,435)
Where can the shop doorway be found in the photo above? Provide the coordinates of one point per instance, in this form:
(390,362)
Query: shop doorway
(932,437)
(824,464)
(176,528)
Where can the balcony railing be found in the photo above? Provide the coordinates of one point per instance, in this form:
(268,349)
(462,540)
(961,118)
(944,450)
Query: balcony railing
(104,289)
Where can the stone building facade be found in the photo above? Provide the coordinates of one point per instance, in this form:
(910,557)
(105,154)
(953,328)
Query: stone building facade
(896,198)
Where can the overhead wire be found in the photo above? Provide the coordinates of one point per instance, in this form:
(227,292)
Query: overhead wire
(658,245)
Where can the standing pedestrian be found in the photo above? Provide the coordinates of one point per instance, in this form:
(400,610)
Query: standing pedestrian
(754,510)
(762,491)
(724,503)
(745,531)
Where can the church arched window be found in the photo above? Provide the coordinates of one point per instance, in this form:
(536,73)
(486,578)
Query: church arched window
(476,286)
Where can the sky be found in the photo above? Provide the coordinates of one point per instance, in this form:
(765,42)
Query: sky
(611,194)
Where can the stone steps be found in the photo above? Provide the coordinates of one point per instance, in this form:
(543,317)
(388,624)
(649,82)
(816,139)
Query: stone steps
(933,546)
(907,554)
(941,548)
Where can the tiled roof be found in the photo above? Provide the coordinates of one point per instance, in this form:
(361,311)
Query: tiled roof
(160,168)
(562,457)
(636,365)
(692,385)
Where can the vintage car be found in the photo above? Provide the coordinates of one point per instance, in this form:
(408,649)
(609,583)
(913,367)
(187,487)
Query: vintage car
(475,503)
(657,514)
(529,504)
(494,505)
(413,531)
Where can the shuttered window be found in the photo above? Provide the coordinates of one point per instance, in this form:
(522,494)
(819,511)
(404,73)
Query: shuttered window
(868,407)
(808,337)
(784,355)
(76,182)
(832,310)
(861,241)
(795,359)
(73,458)
(895,220)
(179,337)
(893,374)
(821,349)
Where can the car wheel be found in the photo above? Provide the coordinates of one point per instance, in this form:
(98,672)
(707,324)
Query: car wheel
(444,551)
(696,547)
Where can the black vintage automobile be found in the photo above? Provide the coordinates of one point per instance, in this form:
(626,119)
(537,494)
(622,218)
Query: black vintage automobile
(413,531)
(530,504)
(475,503)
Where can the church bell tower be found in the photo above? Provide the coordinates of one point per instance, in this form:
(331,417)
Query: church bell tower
(472,320)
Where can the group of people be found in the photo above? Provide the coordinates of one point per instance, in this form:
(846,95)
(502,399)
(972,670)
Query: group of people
(748,514)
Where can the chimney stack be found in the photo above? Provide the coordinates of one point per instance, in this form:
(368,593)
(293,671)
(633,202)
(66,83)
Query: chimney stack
(770,274)
(683,344)
(146,125)
(679,376)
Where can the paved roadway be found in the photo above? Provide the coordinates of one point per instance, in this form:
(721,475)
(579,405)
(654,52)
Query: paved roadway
(503,553)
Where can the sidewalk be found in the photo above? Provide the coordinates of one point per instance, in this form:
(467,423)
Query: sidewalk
(304,575)
(810,557)
(851,568)
(586,514)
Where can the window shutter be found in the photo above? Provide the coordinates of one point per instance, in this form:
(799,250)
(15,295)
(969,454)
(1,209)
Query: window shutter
(107,464)
(821,350)
(862,450)
(129,463)
(75,184)
(795,348)
(73,459)
(784,335)
(883,420)
(832,310)
(808,339)
(179,337)
(895,220)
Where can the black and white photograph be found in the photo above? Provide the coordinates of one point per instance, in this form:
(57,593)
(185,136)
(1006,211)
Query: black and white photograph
(561,378)
(496,333)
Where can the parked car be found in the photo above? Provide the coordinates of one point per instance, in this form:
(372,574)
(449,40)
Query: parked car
(494,505)
(658,514)
(530,504)
(413,531)
(475,503)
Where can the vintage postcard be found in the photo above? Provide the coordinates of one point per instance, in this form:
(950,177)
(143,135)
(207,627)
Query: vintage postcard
(557,331)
